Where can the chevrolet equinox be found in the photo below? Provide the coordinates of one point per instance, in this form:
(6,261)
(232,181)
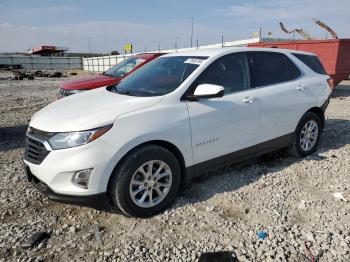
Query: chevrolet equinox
(178,116)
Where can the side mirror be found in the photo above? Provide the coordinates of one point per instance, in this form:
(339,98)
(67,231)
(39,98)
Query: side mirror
(206,91)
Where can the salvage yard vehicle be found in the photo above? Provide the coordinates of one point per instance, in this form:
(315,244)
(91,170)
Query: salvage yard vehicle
(180,115)
(110,77)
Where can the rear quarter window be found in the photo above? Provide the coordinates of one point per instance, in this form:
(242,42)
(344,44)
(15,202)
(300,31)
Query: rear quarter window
(293,70)
(312,62)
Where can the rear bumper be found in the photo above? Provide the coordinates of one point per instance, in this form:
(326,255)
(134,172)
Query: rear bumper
(98,201)
(325,105)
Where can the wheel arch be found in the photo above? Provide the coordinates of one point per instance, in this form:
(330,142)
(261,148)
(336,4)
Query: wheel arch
(162,143)
(318,111)
(293,148)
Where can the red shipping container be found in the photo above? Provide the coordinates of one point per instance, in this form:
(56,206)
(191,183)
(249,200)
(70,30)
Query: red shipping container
(333,53)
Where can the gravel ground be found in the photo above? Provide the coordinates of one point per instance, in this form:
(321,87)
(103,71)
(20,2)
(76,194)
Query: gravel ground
(291,199)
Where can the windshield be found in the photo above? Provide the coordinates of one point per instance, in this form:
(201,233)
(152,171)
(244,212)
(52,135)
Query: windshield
(124,67)
(159,77)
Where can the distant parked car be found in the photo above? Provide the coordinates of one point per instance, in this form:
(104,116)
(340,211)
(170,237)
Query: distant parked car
(110,77)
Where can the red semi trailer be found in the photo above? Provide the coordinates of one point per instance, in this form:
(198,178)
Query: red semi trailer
(333,53)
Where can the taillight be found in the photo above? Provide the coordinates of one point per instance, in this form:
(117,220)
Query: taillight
(330,83)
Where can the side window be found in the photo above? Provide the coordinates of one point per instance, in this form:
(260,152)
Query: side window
(230,71)
(312,62)
(269,68)
(293,70)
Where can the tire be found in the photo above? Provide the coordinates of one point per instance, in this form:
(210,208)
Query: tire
(298,147)
(131,177)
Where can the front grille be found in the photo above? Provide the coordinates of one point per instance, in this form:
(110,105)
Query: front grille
(35,150)
(64,92)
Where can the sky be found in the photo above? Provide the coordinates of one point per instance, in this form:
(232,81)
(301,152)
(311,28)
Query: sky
(106,25)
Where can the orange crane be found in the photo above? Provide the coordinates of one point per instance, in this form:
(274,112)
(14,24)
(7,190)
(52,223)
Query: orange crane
(326,27)
(299,31)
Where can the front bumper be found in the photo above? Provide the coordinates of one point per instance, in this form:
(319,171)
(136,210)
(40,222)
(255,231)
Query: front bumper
(99,201)
(59,166)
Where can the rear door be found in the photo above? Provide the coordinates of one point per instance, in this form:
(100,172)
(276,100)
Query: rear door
(220,126)
(283,95)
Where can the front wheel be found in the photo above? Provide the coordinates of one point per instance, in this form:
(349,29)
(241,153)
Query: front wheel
(146,182)
(306,135)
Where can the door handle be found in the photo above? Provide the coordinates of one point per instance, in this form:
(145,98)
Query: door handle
(248,100)
(300,88)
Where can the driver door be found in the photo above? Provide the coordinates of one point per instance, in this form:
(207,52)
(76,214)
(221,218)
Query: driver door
(225,128)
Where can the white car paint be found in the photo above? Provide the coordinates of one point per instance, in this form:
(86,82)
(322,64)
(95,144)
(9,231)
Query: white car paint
(223,125)
(65,115)
(201,130)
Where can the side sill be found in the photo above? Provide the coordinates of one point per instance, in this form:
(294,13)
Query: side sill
(238,156)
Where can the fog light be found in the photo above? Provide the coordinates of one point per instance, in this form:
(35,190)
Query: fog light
(81,178)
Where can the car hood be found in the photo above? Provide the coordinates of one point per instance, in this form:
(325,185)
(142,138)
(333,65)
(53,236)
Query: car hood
(89,82)
(87,110)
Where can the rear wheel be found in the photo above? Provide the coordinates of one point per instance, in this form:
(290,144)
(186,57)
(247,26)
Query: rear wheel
(307,135)
(146,182)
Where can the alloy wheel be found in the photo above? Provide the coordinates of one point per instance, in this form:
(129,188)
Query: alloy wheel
(150,183)
(308,135)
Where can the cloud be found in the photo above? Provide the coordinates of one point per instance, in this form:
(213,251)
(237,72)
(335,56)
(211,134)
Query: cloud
(66,25)
(105,36)
(49,10)
(296,9)
(6,25)
(295,14)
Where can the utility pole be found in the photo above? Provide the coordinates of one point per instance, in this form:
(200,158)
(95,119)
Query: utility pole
(89,45)
(158,48)
(222,41)
(192,32)
(260,30)
(176,44)
(197,43)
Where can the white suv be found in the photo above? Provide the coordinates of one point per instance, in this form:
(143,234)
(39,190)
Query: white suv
(178,116)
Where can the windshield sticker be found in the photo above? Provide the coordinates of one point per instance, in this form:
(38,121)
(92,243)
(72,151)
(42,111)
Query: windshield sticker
(139,61)
(196,61)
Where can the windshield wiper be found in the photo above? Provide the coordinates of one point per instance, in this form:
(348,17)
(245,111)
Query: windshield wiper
(140,93)
(126,92)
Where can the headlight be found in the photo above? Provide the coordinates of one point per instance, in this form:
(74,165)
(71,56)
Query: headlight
(73,139)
